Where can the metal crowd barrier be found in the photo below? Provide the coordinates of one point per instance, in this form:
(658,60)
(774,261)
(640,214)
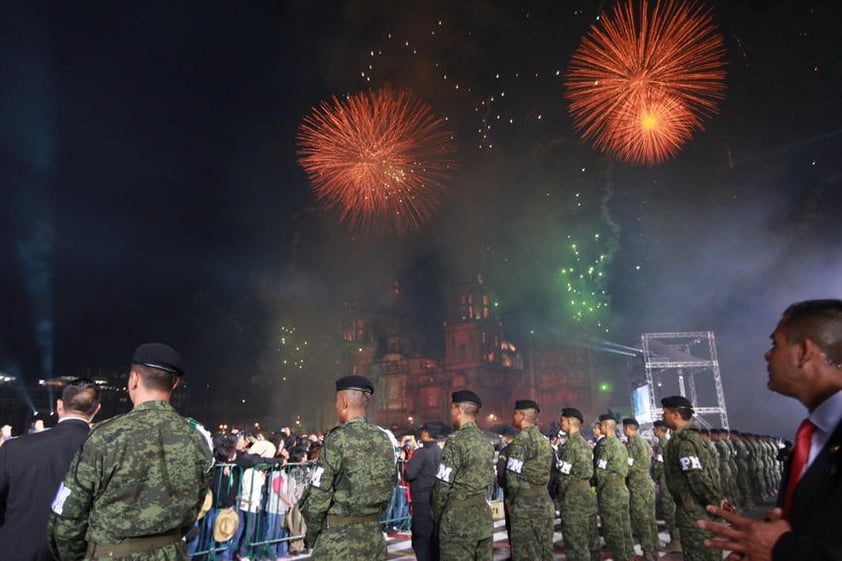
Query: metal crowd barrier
(248,493)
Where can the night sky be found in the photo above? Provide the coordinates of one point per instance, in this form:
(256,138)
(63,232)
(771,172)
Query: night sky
(150,188)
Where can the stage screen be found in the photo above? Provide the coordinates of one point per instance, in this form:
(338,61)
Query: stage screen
(642,405)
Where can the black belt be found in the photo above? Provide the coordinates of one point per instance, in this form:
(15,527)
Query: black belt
(132,545)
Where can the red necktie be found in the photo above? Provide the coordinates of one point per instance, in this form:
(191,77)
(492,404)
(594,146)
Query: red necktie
(800,455)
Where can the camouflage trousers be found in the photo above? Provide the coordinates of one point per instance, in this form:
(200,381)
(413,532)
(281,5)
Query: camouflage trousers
(354,542)
(693,537)
(642,513)
(726,480)
(616,521)
(668,507)
(532,529)
(578,524)
(744,483)
(465,534)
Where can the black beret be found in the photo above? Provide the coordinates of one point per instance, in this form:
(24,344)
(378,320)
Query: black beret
(705,431)
(716,431)
(435,429)
(573,413)
(676,402)
(659,424)
(159,356)
(466,396)
(509,430)
(360,383)
(736,432)
(607,417)
(630,421)
(527,404)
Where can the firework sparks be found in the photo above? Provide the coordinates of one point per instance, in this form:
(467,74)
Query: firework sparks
(378,158)
(642,81)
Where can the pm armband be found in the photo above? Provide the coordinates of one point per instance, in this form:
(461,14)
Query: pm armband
(690,463)
(445,473)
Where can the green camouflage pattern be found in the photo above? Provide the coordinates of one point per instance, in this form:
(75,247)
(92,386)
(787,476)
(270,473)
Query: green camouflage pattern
(466,471)
(354,476)
(688,469)
(612,467)
(726,478)
(741,456)
(527,472)
(714,458)
(642,494)
(733,484)
(665,497)
(576,501)
(140,474)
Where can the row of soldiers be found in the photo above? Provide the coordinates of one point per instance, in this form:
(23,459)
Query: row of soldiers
(747,468)
(351,485)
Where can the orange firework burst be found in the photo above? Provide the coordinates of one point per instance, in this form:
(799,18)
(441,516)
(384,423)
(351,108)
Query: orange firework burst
(378,158)
(642,81)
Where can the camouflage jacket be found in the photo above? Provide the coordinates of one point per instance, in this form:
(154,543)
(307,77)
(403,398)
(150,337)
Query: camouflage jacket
(354,475)
(658,460)
(640,458)
(724,456)
(529,462)
(575,463)
(466,468)
(690,470)
(140,474)
(612,463)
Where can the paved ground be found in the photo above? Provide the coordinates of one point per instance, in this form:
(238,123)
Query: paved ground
(400,548)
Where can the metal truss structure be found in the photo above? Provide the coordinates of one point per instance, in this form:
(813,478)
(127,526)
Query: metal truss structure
(674,362)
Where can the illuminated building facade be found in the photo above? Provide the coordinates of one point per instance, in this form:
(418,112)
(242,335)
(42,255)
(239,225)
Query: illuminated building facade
(412,388)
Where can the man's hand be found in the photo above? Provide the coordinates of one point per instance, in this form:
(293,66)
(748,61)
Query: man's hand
(748,539)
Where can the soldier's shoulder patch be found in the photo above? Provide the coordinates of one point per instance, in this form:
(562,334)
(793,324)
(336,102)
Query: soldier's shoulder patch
(316,477)
(202,431)
(445,473)
(690,463)
(61,496)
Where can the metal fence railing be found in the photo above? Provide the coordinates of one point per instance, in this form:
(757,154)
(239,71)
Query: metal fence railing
(263,500)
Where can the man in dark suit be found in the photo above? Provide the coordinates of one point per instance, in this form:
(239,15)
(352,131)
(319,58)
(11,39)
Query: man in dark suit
(33,466)
(805,362)
(421,473)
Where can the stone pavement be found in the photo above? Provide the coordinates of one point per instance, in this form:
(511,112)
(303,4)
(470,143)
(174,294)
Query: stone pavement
(400,546)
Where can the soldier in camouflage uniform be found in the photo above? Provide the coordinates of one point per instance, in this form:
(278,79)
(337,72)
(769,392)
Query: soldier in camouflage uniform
(665,498)
(135,488)
(735,496)
(689,468)
(464,475)
(352,482)
(741,456)
(726,478)
(527,497)
(714,457)
(641,491)
(612,467)
(578,510)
